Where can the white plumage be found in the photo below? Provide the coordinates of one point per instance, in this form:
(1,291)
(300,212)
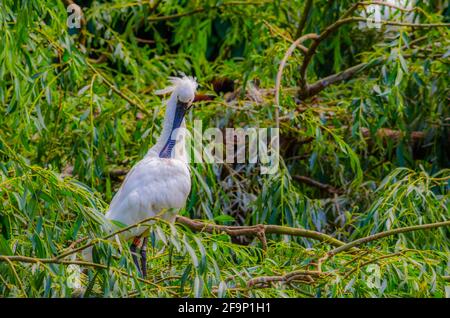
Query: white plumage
(160,182)
(152,185)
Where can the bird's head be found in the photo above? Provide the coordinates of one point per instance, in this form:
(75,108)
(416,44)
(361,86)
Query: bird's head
(182,89)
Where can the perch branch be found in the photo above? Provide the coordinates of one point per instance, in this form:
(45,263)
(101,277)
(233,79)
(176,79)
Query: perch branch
(255,230)
(317,87)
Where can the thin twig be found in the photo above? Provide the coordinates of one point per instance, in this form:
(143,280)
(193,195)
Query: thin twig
(32,260)
(154,7)
(274,30)
(13,269)
(375,260)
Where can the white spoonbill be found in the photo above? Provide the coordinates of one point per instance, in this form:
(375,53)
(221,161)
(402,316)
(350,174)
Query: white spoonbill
(161,181)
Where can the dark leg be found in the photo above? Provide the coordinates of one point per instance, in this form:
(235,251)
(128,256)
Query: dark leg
(144,257)
(133,248)
(170,255)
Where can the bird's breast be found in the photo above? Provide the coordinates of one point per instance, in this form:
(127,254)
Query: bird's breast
(153,185)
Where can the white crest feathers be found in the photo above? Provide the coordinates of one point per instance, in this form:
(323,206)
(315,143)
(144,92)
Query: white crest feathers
(177,82)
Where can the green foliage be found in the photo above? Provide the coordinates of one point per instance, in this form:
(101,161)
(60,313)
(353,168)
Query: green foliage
(78,105)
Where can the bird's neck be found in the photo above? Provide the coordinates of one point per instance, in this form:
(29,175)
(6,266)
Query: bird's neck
(171,136)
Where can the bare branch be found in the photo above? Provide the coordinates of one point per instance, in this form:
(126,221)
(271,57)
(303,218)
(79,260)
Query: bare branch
(253,230)
(302,274)
(175,16)
(317,87)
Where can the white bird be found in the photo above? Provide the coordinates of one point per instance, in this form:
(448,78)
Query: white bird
(160,182)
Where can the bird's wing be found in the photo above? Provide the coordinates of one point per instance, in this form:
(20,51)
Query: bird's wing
(152,185)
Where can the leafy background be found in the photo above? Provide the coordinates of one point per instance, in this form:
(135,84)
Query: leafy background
(78,110)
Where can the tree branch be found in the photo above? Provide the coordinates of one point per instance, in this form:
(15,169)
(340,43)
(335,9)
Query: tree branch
(154,7)
(386,133)
(253,230)
(381,235)
(326,187)
(273,30)
(376,260)
(317,87)
(335,26)
(280,72)
(304,18)
(32,260)
(304,274)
